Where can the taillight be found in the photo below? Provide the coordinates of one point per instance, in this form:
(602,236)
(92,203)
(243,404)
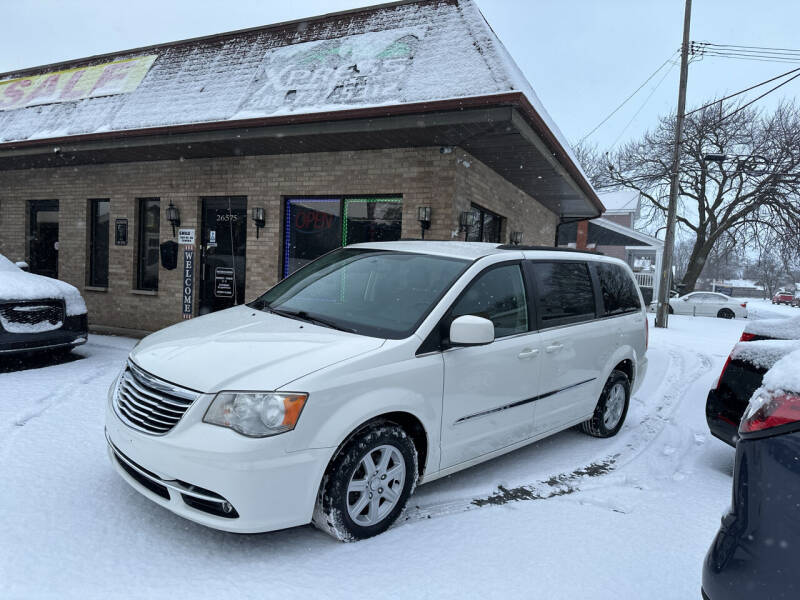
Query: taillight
(743,305)
(721,373)
(646,333)
(771,411)
(747,337)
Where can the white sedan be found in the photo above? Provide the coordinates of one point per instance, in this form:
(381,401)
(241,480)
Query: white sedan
(707,304)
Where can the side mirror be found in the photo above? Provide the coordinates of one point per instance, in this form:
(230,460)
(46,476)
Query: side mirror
(685,299)
(470,330)
(22,265)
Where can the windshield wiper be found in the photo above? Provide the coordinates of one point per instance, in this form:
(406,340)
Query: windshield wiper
(304,316)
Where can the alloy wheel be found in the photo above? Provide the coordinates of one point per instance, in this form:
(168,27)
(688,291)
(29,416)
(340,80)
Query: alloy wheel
(376,485)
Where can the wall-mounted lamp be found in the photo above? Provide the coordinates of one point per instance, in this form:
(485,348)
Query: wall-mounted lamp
(516,237)
(466,220)
(257,213)
(174,217)
(424,218)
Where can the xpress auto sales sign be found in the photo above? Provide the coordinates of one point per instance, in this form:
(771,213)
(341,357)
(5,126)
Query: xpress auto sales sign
(107,79)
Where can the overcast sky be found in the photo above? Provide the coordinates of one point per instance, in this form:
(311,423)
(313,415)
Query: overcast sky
(583,57)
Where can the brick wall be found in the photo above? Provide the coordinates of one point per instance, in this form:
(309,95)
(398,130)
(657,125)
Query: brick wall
(422,176)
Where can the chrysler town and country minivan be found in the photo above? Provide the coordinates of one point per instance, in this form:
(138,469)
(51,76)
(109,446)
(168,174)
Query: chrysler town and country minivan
(372,369)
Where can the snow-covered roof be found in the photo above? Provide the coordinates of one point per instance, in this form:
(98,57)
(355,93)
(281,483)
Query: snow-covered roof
(401,53)
(620,201)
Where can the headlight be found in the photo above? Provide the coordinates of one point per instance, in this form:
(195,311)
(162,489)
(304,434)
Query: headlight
(256,414)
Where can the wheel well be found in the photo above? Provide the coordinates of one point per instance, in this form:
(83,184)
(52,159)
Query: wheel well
(626,366)
(409,423)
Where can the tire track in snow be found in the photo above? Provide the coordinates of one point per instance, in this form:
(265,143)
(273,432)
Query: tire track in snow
(679,377)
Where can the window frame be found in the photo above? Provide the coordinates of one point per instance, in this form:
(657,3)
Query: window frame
(140,247)
(481,212)
(287,200)
(92,281)
(564,321)
(598,292)
(438,340)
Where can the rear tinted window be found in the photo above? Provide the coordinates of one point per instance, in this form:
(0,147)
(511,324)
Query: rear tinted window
(618,289)
(564,292)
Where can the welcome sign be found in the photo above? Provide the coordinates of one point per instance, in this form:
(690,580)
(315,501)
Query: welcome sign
(108,79)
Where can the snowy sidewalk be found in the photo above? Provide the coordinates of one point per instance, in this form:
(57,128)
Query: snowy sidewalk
(571,516)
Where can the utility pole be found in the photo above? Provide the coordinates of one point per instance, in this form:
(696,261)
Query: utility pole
(662,310)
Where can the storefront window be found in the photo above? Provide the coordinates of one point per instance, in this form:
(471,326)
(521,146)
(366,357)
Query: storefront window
(487,227)
(147,253)
(372,220)
(315,226)
(98,242)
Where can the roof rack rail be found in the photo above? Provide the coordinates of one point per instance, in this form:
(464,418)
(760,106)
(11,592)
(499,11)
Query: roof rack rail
(548,249)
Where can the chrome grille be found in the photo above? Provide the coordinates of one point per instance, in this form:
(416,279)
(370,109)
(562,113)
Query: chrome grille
(150,404)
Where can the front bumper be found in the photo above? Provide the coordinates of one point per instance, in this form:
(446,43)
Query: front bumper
(73,333)
(216,477)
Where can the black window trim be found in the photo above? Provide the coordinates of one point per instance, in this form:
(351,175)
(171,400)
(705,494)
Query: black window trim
(564,321)
(140,203)
(438,339)
(93,205)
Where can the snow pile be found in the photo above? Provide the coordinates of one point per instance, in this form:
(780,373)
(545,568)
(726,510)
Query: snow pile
(388,55)
(782,329)
(16,284)
(764,353)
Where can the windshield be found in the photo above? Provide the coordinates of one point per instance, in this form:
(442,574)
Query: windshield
(369,292)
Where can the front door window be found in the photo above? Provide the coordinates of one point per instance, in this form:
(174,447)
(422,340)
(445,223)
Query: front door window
(43,237)
(222,268)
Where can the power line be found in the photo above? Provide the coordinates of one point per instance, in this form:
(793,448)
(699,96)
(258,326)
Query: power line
(613,112)
(749,47)
(752,87)
(741,108)
(646,100)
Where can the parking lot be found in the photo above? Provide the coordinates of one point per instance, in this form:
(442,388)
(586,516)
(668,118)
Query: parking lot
(632,516)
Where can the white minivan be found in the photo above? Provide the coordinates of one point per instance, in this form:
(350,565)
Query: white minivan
(372,369)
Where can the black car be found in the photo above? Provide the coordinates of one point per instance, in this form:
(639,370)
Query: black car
(755,552)
(762,344)
(38,313)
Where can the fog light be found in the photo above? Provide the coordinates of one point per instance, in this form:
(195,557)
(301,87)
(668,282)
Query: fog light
(226,507)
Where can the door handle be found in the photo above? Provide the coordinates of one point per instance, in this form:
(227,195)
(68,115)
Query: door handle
(528,353)
(554,347)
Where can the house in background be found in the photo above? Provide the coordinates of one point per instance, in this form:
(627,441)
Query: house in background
(613,235)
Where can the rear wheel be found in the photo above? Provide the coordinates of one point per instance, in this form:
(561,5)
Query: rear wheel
(611,409)
(367,485)
(725,313)
(671,311)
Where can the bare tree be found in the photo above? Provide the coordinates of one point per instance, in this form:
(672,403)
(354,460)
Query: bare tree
(732,202)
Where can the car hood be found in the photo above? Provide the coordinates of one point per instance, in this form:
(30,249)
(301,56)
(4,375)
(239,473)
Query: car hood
(244,349)
(16,284)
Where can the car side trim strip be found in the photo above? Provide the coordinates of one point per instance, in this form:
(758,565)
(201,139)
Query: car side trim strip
(490,411)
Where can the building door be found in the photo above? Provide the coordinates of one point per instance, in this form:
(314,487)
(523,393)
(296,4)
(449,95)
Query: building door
(43,237)
(222,252)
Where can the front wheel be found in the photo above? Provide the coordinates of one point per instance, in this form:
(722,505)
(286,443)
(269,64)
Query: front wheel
(611,409)
(725,313)
(368,483)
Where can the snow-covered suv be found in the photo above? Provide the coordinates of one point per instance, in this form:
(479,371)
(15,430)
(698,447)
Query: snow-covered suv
(370,370)
(38,313)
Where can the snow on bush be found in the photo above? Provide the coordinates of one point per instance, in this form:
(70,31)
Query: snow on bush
(16,284)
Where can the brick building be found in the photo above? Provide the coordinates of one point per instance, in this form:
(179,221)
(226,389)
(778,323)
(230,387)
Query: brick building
(273,145)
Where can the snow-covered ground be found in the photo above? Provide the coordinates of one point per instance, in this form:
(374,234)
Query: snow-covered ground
(571,516)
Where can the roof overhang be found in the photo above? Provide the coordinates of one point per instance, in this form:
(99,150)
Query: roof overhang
(503,131)
(646,240)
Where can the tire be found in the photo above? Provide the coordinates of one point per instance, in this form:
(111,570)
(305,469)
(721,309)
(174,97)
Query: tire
(335,511)
(671,311)
(599,425)
(725,313)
